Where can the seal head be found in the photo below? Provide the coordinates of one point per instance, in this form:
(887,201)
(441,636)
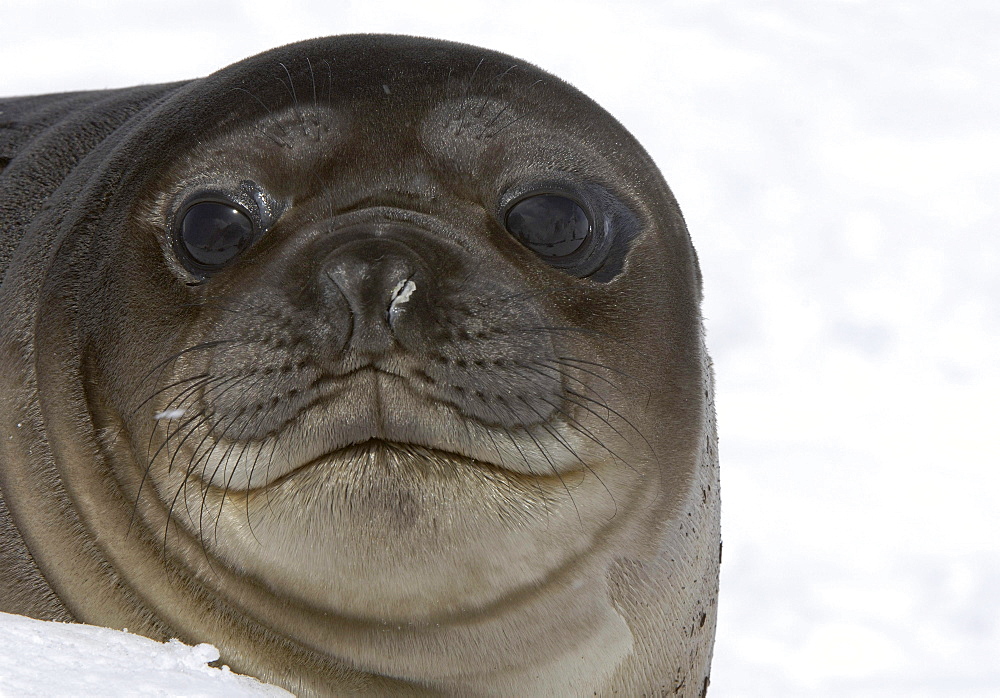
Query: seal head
(375,361)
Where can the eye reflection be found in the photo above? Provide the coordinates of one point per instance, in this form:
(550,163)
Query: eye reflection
(214,233)
(551,225)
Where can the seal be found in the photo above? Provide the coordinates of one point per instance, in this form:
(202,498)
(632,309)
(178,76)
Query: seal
(375,361)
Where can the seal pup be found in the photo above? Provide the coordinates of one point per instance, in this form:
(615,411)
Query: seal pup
(375,361)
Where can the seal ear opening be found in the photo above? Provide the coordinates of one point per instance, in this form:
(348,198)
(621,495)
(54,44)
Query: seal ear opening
(4,161)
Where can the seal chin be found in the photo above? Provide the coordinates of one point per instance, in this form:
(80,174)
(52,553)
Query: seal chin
(448,522)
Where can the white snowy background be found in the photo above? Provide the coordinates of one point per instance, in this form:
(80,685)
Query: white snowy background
(838,162)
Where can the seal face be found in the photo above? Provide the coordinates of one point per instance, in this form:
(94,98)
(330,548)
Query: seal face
(375,361)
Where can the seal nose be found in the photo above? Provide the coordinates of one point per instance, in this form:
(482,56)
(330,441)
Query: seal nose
(376,278)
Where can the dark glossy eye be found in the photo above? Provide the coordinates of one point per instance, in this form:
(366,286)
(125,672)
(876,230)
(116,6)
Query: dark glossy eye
(214,233)
(551,225)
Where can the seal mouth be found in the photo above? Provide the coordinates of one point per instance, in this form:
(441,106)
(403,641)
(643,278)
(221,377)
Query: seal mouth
(374,413)
(376,448)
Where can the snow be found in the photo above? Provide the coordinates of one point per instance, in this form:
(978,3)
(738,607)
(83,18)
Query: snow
(46,659)
(838,165)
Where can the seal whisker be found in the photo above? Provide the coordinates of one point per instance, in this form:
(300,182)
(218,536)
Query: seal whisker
(149,461)
(555,471)
(492,90)
(492,121)
(563,373)
(131,413)
(296,106)
(246,494)
(329,81)
(573,360)
(206,483)
(566,445)
(504,127)
(149,464)
(605,406)
(204,458)
(289,86)
(568,371)
(465,98)
(312,80)
(201,378)
(202,346)
(181,488)
(198,419)
(151,457)
(254,97)
(274,138)
(267,471)
(576,424)
(252,468)
(535,485)
(599,403)
(500,129)
(255,423)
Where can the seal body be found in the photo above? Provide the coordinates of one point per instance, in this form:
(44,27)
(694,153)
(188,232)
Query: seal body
(375,361)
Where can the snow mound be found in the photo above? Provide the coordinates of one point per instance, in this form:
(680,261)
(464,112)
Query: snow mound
(42,658)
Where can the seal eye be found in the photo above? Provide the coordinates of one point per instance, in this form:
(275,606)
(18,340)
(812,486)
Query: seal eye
(551,225)
(215,233)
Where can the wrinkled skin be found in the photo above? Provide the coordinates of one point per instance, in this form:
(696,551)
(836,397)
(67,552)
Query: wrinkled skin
(387,448)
